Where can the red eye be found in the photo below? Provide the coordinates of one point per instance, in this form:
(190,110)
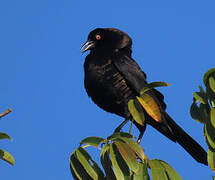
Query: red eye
(98,37)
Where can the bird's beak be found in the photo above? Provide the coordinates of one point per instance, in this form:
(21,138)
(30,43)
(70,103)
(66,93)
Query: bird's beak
(87,46)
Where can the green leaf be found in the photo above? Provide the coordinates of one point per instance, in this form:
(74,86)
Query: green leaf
(119,134)
(199,97)
(209,135)
(77,170)
(128,155)
(207,75)
(212,83)
(120,168)
(6,156)
(195,113)
(4,136)
(135,147)
(84,158)
(213,117)
(106,163)
(152,85)
(172,174)
(157,170)
(211,159)
(142,174)
(150,106)
(136,111)
(92,141)
(209,130)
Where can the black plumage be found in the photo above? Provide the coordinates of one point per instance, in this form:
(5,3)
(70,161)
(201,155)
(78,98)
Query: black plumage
(112,78)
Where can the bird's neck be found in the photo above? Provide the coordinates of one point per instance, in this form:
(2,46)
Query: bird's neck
(108,52)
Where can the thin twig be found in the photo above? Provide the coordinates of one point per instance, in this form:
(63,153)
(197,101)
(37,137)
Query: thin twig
(5,113)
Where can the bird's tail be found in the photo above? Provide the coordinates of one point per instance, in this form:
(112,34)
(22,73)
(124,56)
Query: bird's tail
(177,134)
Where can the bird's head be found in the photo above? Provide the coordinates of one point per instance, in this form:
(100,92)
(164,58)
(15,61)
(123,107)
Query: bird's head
(106,39)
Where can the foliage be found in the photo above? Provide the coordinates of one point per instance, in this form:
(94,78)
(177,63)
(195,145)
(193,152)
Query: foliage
(203,111)
(121,158)
(4,155)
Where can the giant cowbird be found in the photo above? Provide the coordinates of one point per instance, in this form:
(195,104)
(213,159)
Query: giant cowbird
(112,78)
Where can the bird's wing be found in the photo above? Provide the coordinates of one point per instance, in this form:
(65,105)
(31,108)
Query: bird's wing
(135,77)
(130,70)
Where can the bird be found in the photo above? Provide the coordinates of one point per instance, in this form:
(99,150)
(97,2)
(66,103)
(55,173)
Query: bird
(112,78)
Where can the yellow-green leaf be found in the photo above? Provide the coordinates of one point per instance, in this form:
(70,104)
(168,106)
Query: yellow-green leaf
(106,162)
(92,141)
(142,174)
(211,159)
(121,170)
(207,74)
(83,157)
(172,174)
(135,147)
(77,170)
(199,97)
(209,133)
(6,156)
(157,170)
(150,106)
(4,136)
(212,83)
(136,111)
(128,155)
(152,85)
(213,117)
(119,134)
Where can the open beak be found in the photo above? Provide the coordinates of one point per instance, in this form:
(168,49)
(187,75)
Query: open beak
(87,46)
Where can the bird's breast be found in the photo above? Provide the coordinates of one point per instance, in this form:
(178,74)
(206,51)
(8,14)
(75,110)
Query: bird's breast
(107,87)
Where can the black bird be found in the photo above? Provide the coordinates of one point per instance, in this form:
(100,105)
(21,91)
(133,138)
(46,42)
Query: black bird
(112,78)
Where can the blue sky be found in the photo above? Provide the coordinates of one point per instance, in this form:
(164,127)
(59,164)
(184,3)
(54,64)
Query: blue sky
(42,77)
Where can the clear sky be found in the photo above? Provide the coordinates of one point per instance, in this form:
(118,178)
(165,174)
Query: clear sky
(42,77)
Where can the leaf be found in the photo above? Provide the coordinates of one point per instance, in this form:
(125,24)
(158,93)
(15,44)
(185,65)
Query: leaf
(213,117)
(119,134)
(84,158)
(106,162)
(209,134)
(77,169)
(207,74)
(128,155)
(4,136)
(209,130)
(6,156)
(142,174)
(92,141)
(120,168)
(212,83)
(195,113)
(211,159)
(172,174)
(199,97)
(157,170)
(150,106)
(136,111)
(135,147)
(152,85)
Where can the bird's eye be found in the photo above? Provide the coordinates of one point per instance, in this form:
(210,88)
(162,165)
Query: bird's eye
(98,37)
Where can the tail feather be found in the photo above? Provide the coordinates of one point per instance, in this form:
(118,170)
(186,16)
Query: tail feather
(187,142)
(175,133)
